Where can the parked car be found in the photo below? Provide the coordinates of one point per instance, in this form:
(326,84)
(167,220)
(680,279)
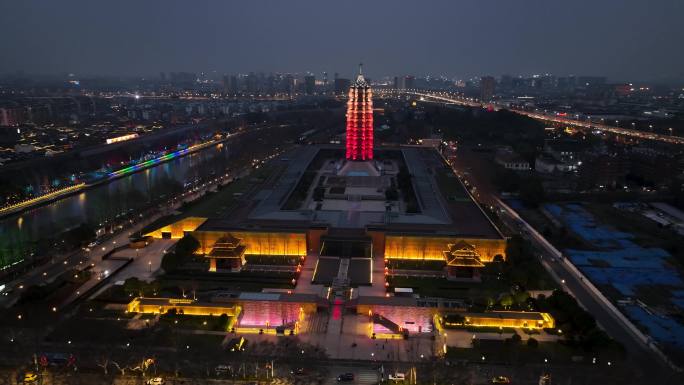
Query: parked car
(397,376)
(299,371)
(345,377)
(221,369)
(30,377)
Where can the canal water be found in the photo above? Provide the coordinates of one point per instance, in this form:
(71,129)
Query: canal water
(104,202)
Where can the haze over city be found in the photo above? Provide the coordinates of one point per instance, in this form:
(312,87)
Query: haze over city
(626,40)
(363,192)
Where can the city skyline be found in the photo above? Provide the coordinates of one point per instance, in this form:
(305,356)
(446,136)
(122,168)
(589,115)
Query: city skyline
(625,40)
(263,192)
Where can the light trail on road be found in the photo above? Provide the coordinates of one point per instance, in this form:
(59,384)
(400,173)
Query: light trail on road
(470,102)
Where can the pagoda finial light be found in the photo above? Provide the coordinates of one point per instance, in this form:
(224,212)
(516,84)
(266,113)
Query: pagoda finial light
(360,119)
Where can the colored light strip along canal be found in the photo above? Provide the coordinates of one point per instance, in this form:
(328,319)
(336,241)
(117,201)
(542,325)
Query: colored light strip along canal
(61,193)
(147,163)
(41,199)
(161,159)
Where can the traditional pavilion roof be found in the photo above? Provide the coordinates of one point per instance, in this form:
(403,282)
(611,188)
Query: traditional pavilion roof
(228,247)
(463,254)
(228,241)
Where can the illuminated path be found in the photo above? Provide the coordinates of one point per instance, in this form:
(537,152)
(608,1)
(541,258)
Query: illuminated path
(450,98)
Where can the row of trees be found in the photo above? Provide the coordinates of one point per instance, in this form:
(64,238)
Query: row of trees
(183,253)
(578,326)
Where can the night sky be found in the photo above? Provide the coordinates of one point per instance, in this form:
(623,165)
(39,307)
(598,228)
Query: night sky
(621,39)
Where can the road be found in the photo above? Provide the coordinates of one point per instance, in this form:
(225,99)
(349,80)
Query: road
(454,99)
(80,259)
(362,376)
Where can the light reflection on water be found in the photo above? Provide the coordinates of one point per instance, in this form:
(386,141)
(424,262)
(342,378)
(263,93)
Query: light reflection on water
(104,201)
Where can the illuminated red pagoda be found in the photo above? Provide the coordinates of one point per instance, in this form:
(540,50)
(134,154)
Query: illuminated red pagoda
(360,120)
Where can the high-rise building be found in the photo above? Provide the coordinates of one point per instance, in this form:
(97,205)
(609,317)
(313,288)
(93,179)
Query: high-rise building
(11,116)
(404,82)
(409,82)
(309,84)
(360,120)
(487,84)
(341,85)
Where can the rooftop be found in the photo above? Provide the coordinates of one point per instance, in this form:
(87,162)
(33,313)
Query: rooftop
(445,206)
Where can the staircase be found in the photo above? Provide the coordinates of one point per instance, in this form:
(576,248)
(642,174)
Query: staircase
(340,284)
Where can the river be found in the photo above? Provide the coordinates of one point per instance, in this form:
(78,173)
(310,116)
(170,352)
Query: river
(104,202)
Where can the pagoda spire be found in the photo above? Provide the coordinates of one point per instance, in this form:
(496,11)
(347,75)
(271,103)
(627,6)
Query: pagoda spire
(360,120)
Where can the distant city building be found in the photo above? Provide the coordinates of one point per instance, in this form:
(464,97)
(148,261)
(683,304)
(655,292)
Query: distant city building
(511,160)
(404,82)
(360,120)
(341,85)
(11,116)
(309,84)
(487,84)
(409,82)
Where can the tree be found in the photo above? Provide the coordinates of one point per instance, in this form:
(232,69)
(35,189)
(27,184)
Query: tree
(391,194)
(521,298)
(531,192)
(187,246)
(404,178)
(515,248)
(133,286)
(319,194)
(103,362)
(170,262)
(506,301)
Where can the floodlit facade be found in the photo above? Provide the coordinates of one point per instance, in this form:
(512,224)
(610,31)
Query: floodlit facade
(360,120)
(341,250)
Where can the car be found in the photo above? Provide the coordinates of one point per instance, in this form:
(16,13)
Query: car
(221,369)
(545,379)
(344,377)
(155,381)
(501,380)
(92,244)
(299,371)
(397,376)
(30,377)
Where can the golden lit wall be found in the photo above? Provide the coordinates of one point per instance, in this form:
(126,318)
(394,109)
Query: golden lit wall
(431,248)
(139,306)
(178,229)
(265,243)
(499,319)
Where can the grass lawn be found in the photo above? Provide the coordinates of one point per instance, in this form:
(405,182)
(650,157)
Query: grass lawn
(245,281)
(196,322)
(436,287)
(217,203)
